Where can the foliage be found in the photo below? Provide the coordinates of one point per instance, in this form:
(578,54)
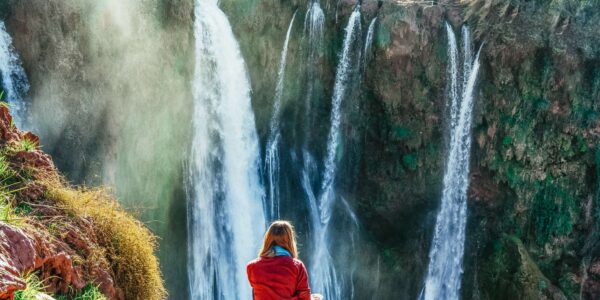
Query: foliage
(410,160)
(90,292)
(24,145)
(34,287)
(402,132)
(511,273)
(129,244)
(552,212)
(8,213)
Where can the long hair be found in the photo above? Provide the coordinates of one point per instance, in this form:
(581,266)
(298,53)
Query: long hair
(280,233)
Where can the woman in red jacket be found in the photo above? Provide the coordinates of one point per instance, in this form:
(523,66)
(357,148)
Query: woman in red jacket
(277,273)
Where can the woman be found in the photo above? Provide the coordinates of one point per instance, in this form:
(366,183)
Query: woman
(277,273)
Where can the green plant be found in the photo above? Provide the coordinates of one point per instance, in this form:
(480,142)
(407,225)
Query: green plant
(26,145)
(552,212)
(90,292)
(6,172)
(7,212)
(34,287)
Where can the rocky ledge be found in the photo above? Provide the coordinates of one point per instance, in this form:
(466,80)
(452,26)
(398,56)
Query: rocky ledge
(61,241)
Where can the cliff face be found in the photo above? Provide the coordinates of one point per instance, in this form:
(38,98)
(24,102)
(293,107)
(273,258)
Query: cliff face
(533,197)
(63,241)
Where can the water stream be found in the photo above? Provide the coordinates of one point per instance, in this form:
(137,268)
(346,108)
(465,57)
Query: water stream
(324,276)
(369,39)
(447,250)
(226,200)
(272,165)
(14,79)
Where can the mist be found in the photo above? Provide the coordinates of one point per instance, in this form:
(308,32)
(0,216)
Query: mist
(110,91)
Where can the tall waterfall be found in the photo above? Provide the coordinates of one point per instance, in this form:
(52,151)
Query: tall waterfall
(14,80)
(272,149)
(324,276)
(226,216)
(447,250)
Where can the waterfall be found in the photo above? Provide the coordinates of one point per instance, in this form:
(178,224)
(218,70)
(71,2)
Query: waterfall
(14,79)
(226,217)
(324,277)
(272,149)
(313,36)
(369,39)
(447,250)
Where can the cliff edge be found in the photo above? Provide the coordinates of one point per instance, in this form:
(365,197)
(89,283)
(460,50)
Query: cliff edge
(58,241)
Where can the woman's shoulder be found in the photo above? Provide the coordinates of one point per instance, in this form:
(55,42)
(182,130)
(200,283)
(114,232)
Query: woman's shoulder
(298,263)
(253,262)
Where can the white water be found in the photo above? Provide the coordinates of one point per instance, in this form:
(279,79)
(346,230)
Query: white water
(324,277)
(226,200)
(369,39)
(447,250)
(313,34)
(14,80)
(272,148)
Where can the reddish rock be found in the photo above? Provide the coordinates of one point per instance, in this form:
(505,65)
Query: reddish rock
(31,192)
(17,253)
(36,159)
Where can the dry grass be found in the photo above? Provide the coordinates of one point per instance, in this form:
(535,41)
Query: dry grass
(129,244)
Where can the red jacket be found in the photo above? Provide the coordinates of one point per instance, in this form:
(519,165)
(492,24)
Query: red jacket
(278,278)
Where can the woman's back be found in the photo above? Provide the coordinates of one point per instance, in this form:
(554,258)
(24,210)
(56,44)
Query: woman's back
(278,278)
(277,274)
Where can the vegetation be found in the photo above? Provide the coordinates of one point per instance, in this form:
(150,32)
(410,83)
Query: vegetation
(34,287)
(90,292)
(129,245)
(33,195)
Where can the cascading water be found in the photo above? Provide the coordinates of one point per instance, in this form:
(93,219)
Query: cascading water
(324,276)
(447,250)
(369,39)
(226,200)
(313,36)
(14,80)
(272,148)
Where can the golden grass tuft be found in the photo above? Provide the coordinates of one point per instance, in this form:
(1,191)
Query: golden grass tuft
(129,244)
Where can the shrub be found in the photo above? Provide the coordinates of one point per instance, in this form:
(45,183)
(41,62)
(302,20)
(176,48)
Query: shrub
(129,244)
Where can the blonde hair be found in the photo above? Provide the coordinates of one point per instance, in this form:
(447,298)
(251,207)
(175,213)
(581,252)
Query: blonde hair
(280,233)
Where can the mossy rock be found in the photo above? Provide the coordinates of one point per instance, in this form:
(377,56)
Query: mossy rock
(511,273)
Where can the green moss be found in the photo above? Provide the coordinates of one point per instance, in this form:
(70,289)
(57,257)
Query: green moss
(402,133)
(383,36)
(552,211)
(569,285)
(512,274)
(410,161)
